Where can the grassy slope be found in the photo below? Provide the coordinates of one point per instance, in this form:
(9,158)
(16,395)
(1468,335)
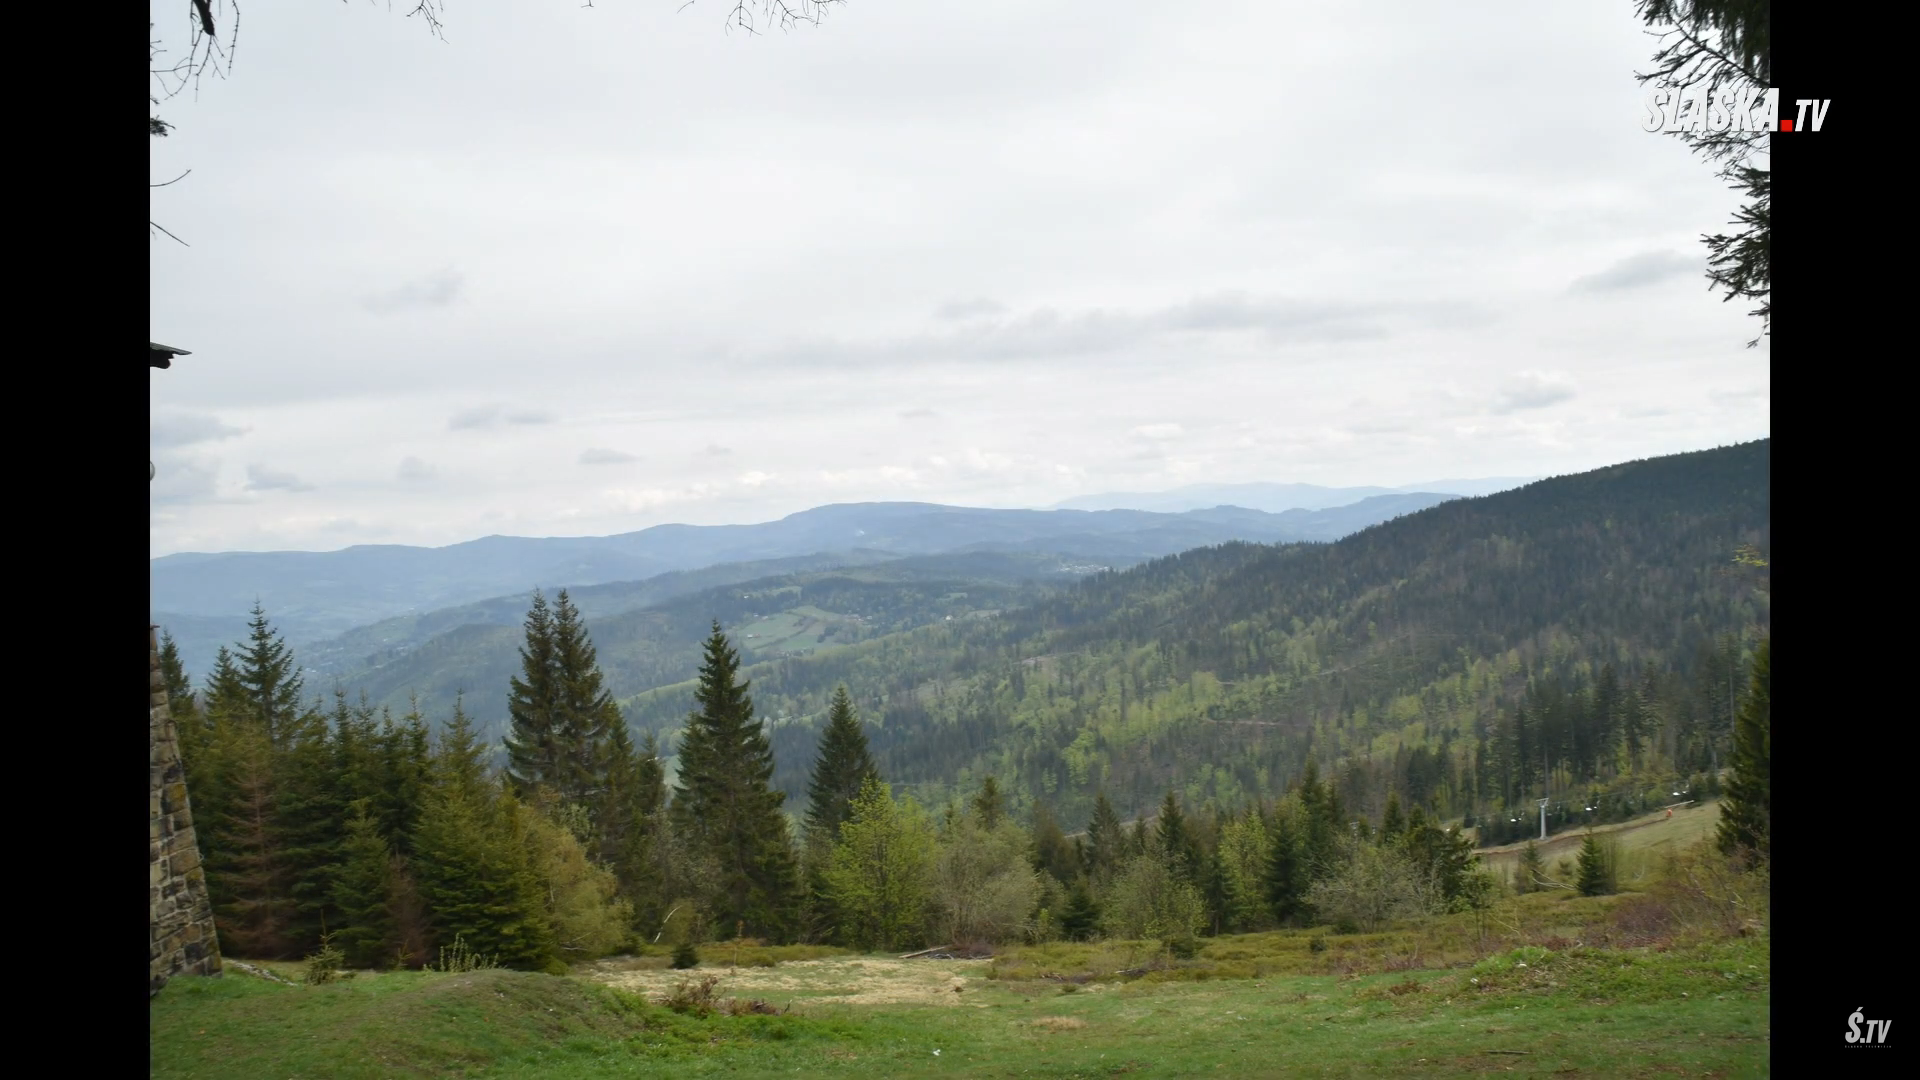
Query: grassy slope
(1642,841)
(1442,997)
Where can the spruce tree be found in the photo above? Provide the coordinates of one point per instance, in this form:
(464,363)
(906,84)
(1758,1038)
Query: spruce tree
(843,766)
(247,875)
(1214,891)
(406,774)
(1051,851)
(1173,840)
(309,811)
(1532,870)
(269,678)
(645,865)
(1320,826)
(1596,867)
(990,804)
(1106,840)
(476,875)
(584,710)
(1394,823)
(1745,812)
(1287,869)
(614,807)
(179,686)
(359,763)
(561,710)
(225,696)
(362,893)
(535,753)
(724,804)
(1081,916)
(459,763)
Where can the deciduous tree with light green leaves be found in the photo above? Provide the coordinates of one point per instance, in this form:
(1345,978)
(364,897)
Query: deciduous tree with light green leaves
(1244,850)
(1149,902)
(984,886)
(881,873)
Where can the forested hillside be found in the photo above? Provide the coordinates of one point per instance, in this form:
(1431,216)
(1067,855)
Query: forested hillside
(1295,720)
(1583,630)
(321,595)
(650,632)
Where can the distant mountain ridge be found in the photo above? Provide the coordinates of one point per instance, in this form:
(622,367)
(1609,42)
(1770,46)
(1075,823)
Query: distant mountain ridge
(203,598)
(1277,498)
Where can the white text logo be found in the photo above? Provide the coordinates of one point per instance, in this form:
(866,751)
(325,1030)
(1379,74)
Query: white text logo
(1876,1029)
(1700,107)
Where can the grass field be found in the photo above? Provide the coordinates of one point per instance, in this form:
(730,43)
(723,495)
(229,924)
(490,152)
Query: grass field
(796,630)
(1544,984)
(1642,842)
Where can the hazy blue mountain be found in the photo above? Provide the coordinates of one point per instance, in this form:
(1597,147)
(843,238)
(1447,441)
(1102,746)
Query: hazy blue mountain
(1276,498)
(313,596)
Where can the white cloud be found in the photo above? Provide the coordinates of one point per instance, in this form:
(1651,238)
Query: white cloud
(1637,271)
(484,417)
(955,284)
(1533,390)
(415,471)
(174,428)
(261,478)
(602,456)
(436,290)
(1158,432)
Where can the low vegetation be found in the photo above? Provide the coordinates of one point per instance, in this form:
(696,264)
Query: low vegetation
(1676,977)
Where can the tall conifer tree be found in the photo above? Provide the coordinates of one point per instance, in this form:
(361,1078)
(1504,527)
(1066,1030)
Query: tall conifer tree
(584,711)
(362,892)
(1287,869)
(1175,842)
(269,677)
(724,804)
(645,866)
(310,816)
(843,766)
(179,685)
(460,761)
(247,875)
(1746,811)
(535,754)
(1106,841)
(990,804)
(476,874)
(614,810)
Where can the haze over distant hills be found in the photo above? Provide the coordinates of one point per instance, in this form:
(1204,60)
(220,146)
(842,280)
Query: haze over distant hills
(1277,498)
(203,599)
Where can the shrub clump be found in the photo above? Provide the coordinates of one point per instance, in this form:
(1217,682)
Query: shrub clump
(684,956)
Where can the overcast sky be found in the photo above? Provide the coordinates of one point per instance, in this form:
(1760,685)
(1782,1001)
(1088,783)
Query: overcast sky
(580,271)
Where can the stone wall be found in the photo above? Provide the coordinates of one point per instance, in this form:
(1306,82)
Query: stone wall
(183,938)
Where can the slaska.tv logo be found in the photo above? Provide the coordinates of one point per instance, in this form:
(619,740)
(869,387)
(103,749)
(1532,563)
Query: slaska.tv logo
(1700,107)
(1874,1033)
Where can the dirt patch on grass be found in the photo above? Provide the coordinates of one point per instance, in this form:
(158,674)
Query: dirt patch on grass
(1059,1023)
(866,980)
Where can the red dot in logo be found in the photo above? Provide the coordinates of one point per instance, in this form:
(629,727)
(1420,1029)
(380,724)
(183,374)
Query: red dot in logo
(1786,125)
